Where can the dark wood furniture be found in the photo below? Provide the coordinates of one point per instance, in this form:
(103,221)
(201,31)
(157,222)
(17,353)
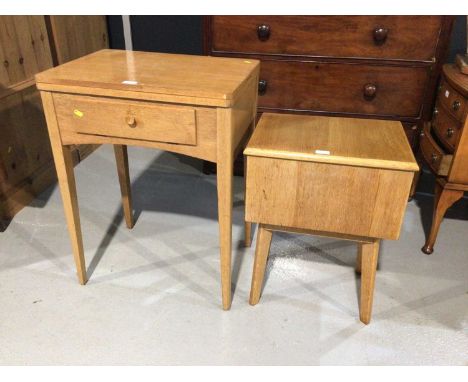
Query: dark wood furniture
(383,67)
(444,146)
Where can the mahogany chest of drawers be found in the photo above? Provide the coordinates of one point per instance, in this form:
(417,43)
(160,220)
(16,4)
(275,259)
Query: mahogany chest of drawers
(383,67)
(444,146)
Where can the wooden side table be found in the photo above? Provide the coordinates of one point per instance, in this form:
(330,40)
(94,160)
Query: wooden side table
(444,146)
(199,106)
(338,177)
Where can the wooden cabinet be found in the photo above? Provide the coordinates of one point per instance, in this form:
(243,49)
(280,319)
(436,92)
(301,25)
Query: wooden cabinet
(25,49)
(373,37)
(77,36)
(335,177)
(31,44)
(444,146)
(392,91)
(359,66)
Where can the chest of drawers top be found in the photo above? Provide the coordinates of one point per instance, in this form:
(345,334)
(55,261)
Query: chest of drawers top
(406,38)
(200,80)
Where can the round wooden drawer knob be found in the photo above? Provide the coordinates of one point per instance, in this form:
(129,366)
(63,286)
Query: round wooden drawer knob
(263,32)
(434,158)
(370,91)
(456,105)
(262,87)
(131,121)
(436,112)
(450,132)
(380,35)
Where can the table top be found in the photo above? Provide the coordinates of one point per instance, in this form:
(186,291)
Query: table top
(199,77)
(347,141)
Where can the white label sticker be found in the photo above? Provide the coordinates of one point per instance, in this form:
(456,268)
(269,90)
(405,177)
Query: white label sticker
(130,82)
(322,152)
(447,93)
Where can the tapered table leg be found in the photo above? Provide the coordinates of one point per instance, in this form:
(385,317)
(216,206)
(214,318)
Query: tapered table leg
(261,256)
(369,253)
(359,259)
(121,158)
(225,162)
(247,225)
(66,179)
(443,199)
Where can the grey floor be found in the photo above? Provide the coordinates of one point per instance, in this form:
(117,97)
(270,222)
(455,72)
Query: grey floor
(154,294)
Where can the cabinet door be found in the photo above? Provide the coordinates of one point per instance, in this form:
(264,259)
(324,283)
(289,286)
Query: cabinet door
(25,50)
(77,36)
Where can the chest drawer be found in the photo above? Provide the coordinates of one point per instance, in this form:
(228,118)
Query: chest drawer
(434,155)
(381,37)
(446,127)
(453,101)
(126,119)
(345,88)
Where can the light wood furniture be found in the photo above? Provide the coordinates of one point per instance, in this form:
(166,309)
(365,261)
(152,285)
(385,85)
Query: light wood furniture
(350,66)
(31,44)
(77,36)
(444,146)
(198,106)
(338,177)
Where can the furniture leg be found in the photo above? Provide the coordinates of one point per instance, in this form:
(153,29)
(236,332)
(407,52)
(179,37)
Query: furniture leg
(443,199)
(66,179)
(121,158)
(225,161)
(417,175)
(248,234)
(369,256)
(247,225)
(261,256)
(359,259)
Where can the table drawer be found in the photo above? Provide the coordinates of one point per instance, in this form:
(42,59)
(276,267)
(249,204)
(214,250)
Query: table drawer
(345,88)
(446,127)
(381,37)
(126,119)
(452,100)
(435,157)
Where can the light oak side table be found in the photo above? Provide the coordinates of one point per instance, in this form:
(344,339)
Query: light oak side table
(338,177)
(199,106)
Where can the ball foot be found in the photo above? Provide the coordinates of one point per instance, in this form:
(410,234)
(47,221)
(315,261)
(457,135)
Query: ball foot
(427,249)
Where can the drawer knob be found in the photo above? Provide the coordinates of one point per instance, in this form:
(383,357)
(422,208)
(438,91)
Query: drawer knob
(131,121)
(434,157)
(450,132)
(436,112)
(263,32)
(370,91)
(380,35)
(262,87)
(456,105)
